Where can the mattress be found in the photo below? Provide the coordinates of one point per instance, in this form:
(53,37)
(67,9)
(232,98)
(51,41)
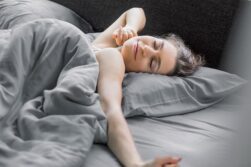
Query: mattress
(215,136)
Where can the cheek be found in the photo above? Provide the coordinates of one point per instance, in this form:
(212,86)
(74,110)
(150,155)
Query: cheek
(128,45)
(125,49)
(139,66)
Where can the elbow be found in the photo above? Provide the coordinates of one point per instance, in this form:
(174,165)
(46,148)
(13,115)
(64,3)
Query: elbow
(141,10)
(137,8)
(140,13)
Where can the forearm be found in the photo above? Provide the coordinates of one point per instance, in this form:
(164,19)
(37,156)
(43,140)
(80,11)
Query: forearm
(120,140)
(135,18)
(110,80)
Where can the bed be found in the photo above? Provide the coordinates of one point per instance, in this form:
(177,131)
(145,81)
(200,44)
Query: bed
(50,113)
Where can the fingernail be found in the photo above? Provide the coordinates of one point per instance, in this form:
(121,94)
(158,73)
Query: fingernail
(177,158)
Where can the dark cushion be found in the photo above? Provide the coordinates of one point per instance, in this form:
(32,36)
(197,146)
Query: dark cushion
(204,25)
(14,12)
(157,95)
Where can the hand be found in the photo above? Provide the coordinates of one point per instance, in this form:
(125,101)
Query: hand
(166,161)
(122,34)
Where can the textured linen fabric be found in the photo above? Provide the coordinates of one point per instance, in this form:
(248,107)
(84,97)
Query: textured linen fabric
(14,12)
(50,114)
(157,95)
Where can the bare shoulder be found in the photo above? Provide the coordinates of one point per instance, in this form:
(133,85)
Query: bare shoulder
(109,55)
(111,63)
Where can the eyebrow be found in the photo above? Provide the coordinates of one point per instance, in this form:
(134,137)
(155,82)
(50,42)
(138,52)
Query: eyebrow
(162,44)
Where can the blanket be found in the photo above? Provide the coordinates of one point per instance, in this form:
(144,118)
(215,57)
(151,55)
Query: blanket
(50,114)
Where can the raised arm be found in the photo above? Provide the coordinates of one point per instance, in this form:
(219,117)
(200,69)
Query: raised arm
(120,140)
(110,90)
(133,19)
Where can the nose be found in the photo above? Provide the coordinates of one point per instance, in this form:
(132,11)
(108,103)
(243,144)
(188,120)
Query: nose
(146,50)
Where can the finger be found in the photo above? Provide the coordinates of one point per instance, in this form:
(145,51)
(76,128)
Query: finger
(121,37)
(114,35)
(125,37)
(172,159)
(120,34)
(117,41)
(168,160)
(130,35)
(173,165)
(134,33)
(131,30)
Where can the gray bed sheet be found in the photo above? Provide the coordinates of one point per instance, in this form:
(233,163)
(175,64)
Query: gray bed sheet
(212,137)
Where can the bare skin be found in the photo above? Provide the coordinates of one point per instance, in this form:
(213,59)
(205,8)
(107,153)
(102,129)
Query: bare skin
(136,54)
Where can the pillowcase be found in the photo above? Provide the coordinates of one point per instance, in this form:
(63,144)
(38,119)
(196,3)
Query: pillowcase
(14,12)
(157,95)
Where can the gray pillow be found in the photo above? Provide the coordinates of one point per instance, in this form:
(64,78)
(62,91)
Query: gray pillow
(14,12)
(157,95)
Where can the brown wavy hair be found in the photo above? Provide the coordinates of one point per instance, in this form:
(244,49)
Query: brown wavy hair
(187,62)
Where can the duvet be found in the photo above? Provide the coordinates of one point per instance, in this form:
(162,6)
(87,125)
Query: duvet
(50,114)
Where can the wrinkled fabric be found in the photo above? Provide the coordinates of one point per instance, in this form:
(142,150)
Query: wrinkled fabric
(50,113)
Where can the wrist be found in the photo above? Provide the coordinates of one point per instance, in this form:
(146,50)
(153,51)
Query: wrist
(135,18)
(136,164)
(133,28)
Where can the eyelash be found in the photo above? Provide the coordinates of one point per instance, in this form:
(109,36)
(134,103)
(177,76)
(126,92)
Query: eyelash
(155,47)
(151,62)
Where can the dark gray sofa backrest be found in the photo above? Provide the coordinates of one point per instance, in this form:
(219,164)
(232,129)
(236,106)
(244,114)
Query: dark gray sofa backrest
(203,24)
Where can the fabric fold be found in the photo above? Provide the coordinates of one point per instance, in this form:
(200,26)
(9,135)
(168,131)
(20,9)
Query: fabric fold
(50,113)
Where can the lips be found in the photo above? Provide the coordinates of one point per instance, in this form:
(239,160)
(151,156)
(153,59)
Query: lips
(136,48)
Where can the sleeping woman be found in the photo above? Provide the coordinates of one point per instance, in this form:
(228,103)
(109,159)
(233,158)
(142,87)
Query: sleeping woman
(132,53)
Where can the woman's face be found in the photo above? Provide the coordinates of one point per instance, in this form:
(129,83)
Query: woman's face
(149,54)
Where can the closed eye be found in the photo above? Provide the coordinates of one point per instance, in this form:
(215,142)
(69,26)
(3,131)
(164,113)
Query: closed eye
(155,44)
(153,64)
